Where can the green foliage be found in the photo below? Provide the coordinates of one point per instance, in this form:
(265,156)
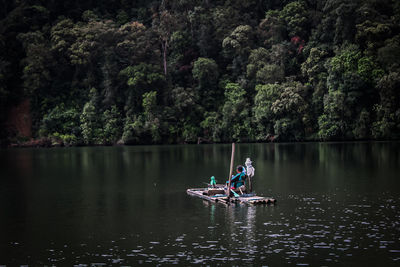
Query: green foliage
(355,76)
(143,76)
(36,74)
(291,112)
(185,101)
(258,59)
(133,45)
(236,114)
(122,17)
(211,126)
(201,29)
(62,120)
(90,121)
(237,47)
(280,109)
(145,126)
(296,17)
(370,32)
(216,71)
(368,70)
(149,104)
(328,129)
(269,74)
(261,70)
(272,29)
(239,41)
(290,100)
(363,126)
(263,115)
(205,71)
(140,79)
(339,22)
(62,36)
(224,19)
(112,125)
(65,139)
(128,134)
(286,128)
(314,65)
(190,133)
(331,123)
(387,112)
(152,122)
(346,60)
(89,15)
(389,55)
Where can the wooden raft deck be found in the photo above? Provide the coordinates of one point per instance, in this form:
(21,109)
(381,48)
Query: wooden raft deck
(254,200)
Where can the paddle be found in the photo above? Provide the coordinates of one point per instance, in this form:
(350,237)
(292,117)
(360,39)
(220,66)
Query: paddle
(234,193)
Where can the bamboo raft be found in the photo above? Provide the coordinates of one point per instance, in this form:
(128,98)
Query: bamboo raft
(218,195)
(217,192)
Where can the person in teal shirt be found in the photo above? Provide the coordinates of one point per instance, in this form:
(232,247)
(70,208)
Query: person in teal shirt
(239,179)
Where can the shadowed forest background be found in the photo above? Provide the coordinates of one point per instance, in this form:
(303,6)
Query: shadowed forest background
(146,72)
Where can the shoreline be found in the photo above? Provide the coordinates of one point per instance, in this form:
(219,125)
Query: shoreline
(49,143)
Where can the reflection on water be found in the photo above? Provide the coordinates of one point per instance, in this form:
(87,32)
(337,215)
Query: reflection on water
(337,204)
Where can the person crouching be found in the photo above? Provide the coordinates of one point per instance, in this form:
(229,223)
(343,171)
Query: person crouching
(238,180)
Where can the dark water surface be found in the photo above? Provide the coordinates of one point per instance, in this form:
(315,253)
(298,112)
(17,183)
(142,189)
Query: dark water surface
(338,204)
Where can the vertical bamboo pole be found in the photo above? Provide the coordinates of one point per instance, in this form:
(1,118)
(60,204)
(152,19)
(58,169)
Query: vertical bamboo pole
(250,185)
(228,191)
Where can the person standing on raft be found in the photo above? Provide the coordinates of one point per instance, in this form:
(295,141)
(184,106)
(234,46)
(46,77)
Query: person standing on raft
(249,168)
(250,173)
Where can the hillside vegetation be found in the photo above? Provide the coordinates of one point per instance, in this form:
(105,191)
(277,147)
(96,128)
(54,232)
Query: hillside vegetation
(146,72)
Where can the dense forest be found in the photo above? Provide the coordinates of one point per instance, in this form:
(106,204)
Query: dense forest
(188,71)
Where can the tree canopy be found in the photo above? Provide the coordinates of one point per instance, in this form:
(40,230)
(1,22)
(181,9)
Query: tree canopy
(146,72)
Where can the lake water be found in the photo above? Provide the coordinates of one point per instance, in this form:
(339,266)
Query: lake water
(338,204)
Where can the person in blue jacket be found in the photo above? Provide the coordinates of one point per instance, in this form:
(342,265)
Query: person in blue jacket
(239,179)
